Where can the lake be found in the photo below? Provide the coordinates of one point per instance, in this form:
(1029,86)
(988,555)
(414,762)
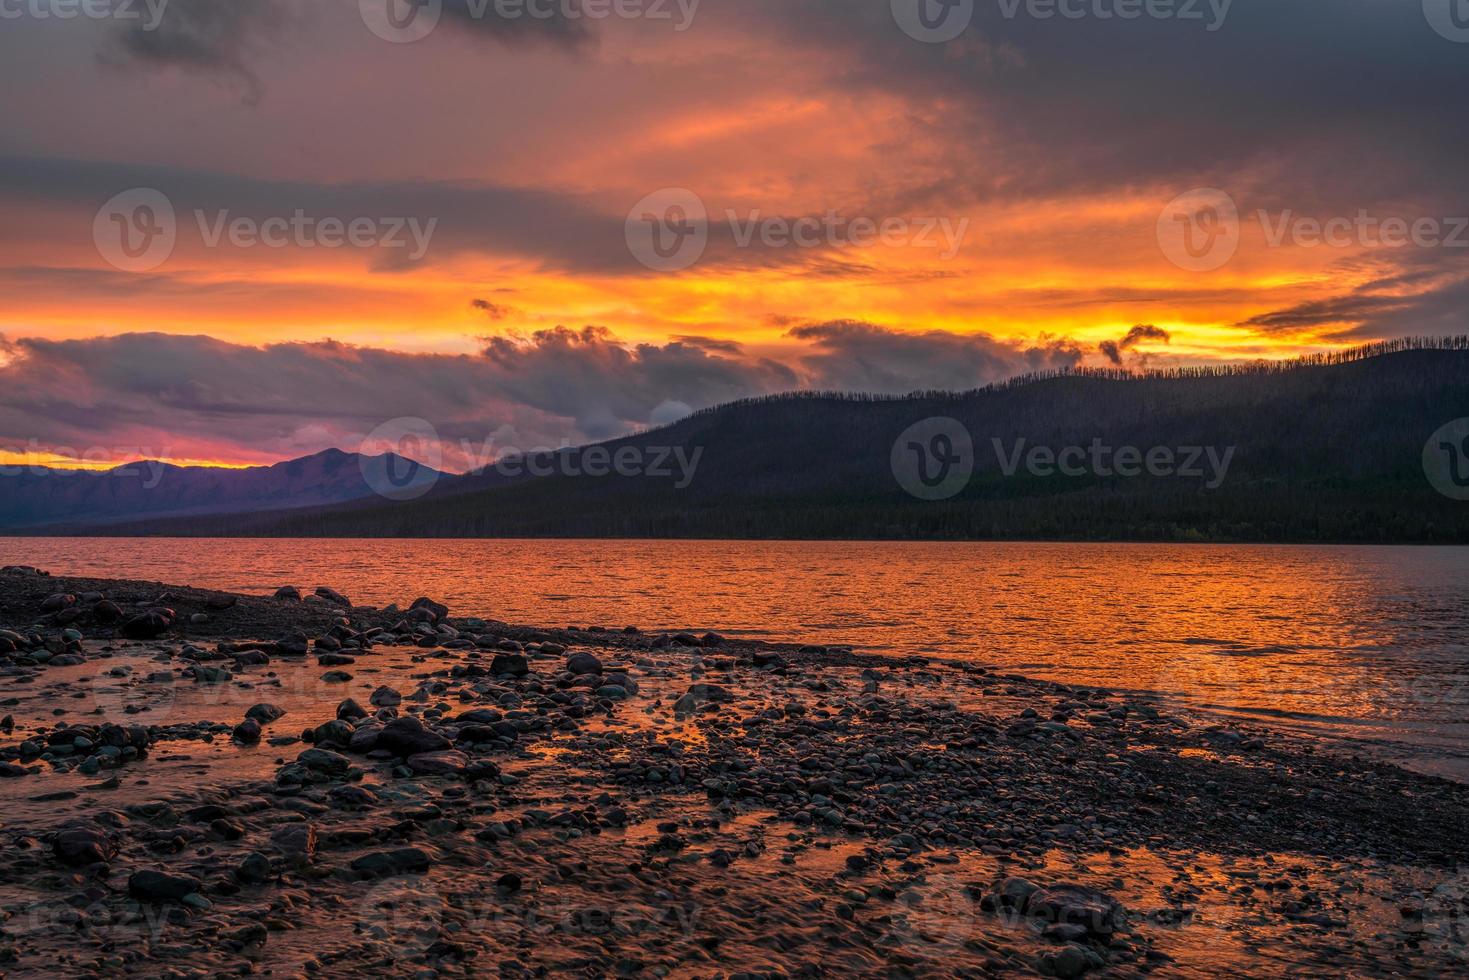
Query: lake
(1367,647)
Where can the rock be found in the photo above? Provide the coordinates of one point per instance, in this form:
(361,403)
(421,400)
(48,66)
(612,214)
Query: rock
(510,664)
(1071,904)
(686,639)
(334,597)
(323,761)
(583,663)
(296,843)
(106,612)
(407,737)
(159,886)
(204,674)
(336,677)
(253,869)
(769,658)
(1069,963)
(439,610)
(379,864)
(9,770)
(58,602)
(386,697)
(292,645)
(335,660)
(288,592)
(1014,893)
(81,844)
(336,733)
(509,882)
(220,602)
(149,625)
(439,763)
(247,732)
(265,713)
(351,797)
(350,710)
(364,740)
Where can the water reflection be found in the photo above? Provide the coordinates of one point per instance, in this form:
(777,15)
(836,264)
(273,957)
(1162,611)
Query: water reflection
(1362,643)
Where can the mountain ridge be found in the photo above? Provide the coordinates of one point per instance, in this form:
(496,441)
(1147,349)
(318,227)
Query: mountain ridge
(40,496)
(1324,451)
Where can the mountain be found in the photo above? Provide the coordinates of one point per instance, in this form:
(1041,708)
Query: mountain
(1328,450)
(34,497)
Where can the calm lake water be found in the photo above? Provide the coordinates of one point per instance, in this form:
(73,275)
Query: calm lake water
(1361,645)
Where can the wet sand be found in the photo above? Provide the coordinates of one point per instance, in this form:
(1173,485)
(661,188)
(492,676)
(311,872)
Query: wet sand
(427,794)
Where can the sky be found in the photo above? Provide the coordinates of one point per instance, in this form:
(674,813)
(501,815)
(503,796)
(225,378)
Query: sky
(240,231)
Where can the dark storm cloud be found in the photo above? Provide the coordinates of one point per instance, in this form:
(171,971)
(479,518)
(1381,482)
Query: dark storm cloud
(851,355)
(226,37)
(562,231)
(587,375)
(1403,292)
(204,397)
(1113,349)
(495,311)
(555,24)
(214,36)
(1338,103)
(163,390)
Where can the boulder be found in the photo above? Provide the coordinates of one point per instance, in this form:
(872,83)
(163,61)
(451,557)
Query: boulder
(407,737)
(159,886)
(1072,904)
(80,844)
(583,663)
(380,864)
(149,625)
(439,763)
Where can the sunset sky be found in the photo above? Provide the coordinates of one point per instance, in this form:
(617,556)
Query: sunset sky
(1056,145)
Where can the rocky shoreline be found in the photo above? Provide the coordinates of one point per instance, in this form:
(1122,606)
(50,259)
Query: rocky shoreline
(200,784)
